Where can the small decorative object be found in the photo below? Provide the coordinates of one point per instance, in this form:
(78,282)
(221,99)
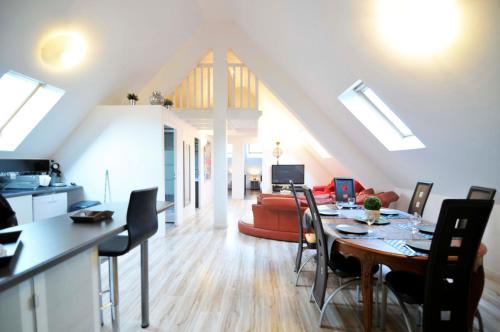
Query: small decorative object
(168,103)
(277,152)
(372,208)
(88,216)
(156,98)
(132,98)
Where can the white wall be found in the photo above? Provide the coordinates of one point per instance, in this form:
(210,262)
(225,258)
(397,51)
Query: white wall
(124,140)
(491,235)
(127,141)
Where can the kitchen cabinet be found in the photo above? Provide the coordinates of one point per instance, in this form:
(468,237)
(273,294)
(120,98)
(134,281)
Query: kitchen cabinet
(23,206)
(48,206)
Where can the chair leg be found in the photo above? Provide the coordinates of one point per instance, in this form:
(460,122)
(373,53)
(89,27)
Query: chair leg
(99,285)
(479,320)
(406,314)
(298,259)
(301,268)
(113,266)
(384,308)
(332,295)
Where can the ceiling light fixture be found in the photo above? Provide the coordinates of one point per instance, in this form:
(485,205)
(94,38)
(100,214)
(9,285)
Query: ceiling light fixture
(63,50)
(419,27)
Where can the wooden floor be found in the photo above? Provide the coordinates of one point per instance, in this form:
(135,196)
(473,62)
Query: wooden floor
(202,279)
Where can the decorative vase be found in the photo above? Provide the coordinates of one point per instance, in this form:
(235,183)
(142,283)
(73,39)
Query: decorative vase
(132,102)
(372,214)
(156,98)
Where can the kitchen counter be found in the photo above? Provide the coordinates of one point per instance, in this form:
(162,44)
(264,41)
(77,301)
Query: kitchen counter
(51,241)
(38,191)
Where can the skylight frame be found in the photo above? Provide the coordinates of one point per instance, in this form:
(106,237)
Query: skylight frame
(23,110)
(378,118)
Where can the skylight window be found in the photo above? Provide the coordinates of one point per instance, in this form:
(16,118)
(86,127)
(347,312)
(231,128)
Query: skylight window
(23,104)
(378,118)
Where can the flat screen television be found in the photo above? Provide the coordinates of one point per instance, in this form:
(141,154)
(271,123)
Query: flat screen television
(282,174)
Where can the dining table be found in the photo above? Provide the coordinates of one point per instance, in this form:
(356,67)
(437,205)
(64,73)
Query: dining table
(384,244)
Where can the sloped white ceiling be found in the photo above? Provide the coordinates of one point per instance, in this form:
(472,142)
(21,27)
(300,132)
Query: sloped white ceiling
(128,41)
(450,101)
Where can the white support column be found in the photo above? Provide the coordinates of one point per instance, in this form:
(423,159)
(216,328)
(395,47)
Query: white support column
(238,168)
(220,138)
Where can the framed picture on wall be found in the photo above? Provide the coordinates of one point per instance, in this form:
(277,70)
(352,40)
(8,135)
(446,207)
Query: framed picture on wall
(207,158)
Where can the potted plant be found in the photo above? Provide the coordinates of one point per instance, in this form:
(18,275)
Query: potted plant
(132,98)
(168,103)
(156,98)
(372,208)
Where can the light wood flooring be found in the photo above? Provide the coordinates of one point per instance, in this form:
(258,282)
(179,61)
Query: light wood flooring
(204,279)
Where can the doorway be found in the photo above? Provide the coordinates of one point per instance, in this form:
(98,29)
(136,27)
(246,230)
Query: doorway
(196,173)
(169,145)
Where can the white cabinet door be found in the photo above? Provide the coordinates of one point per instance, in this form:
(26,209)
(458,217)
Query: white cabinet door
(16,308)
(68,295)
(23,206)
(48,206)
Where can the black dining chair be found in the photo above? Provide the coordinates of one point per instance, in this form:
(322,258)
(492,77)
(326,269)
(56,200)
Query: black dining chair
(306,240)
(142,223)
(343,267)
(476,192)
(419,198)
(444,291)
(344,189)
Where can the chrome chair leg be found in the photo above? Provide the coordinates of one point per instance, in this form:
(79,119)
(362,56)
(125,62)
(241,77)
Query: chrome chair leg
(384,308)
(406,314)
(113,277)
(301,268)
(99,285)
(332,295)
(479,320)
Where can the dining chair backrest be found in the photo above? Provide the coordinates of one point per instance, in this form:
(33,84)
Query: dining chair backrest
(321,279)
(344,189)
(142,219)
(299,212)
(476,192)
(7,214)
(419,198)
(453,251)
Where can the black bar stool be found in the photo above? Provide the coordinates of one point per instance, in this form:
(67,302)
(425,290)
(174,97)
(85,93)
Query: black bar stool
(142,223)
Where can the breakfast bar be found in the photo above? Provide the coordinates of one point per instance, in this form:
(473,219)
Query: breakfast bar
(53,281)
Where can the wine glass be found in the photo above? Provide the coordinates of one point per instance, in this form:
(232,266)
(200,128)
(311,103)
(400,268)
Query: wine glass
(370,220)
(415,220)
(351,201)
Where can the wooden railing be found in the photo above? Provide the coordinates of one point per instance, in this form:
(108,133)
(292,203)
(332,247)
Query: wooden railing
(196,90)
(243,87)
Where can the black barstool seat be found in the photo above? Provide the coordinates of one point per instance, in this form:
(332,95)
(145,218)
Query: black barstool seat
(116,246)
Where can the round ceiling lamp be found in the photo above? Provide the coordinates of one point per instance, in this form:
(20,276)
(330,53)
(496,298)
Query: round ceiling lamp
(63,50)
(418,27)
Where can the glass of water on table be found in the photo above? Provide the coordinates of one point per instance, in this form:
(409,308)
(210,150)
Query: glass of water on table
(415,220)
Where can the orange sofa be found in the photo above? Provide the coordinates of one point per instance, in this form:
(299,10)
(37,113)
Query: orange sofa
(274,217)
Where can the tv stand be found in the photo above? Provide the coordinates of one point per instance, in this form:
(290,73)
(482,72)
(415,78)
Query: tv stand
(280,187)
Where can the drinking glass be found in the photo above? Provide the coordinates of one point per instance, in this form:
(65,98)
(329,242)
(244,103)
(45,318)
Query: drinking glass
(351,201)
(370,220)
(415,220)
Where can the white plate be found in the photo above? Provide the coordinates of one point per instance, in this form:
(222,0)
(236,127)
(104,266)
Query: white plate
(326,207)
(331,213)
(352,229)
(420,245)
(389,212)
